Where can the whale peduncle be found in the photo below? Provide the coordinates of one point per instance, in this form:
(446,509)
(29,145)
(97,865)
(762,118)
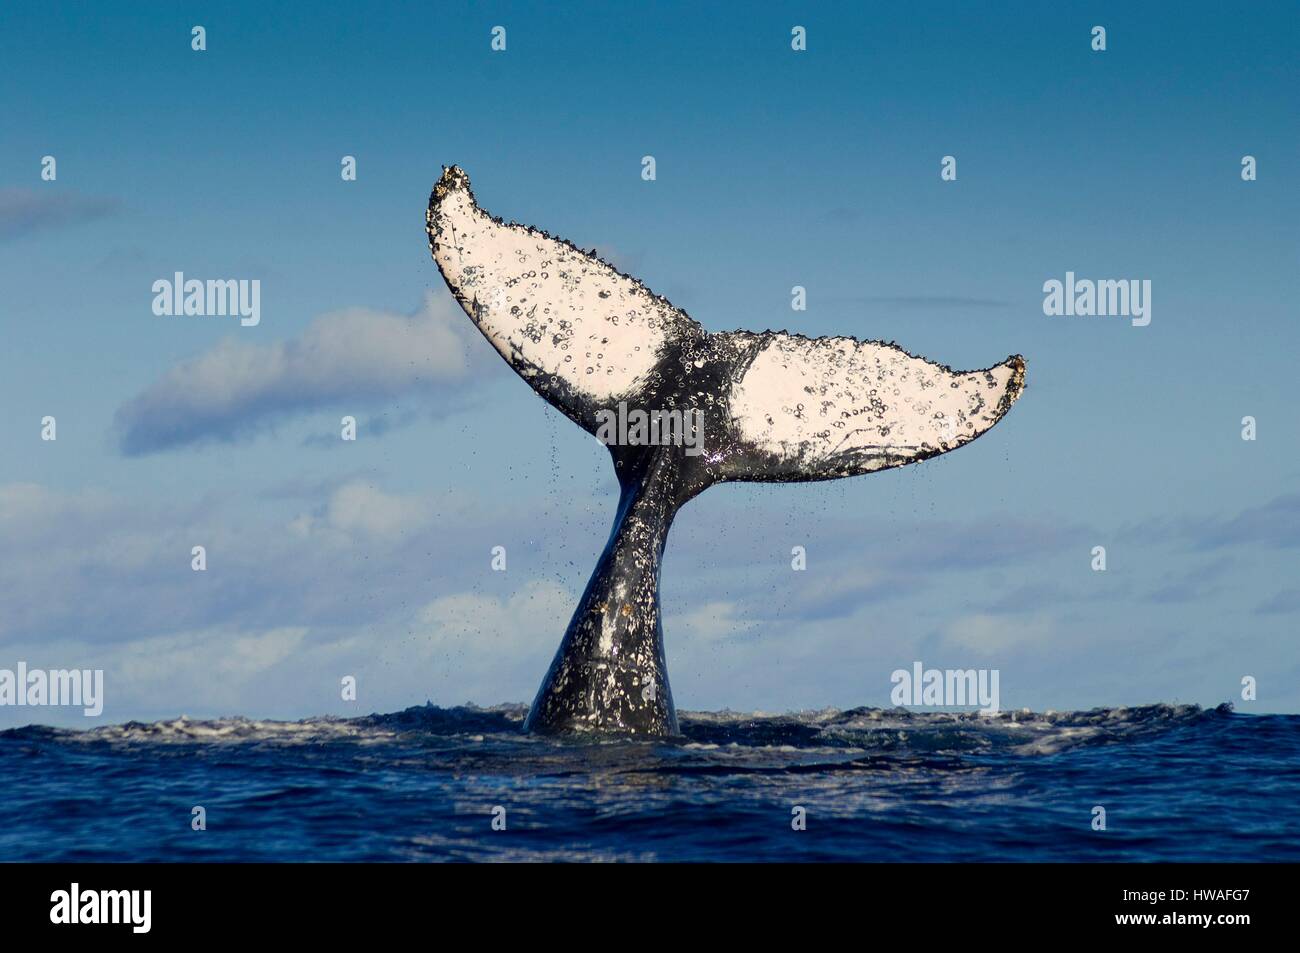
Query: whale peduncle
(609,675)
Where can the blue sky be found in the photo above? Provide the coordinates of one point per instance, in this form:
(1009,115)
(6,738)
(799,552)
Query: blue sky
(774,169)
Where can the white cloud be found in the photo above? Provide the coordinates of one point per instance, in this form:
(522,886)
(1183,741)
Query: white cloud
(986,633)
(357,357)
(710,622)
(205,657)
(362,509)
(356,507)
(537,609)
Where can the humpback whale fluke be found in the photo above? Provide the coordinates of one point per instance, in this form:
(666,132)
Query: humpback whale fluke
(773,406)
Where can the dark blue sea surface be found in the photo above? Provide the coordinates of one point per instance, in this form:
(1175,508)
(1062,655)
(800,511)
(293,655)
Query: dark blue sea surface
(1177,783)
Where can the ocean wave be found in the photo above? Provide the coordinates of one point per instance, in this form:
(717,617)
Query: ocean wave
(868,730)
(879,784)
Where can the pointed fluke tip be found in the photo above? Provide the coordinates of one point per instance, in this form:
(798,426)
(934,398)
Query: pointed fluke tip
(1016,385)
(1017,365)
(453,179)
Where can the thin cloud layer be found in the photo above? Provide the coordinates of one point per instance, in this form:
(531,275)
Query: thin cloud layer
(348,576)
(349,358)
(25,211)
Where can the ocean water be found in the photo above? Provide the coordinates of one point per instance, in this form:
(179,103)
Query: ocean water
(1177,783)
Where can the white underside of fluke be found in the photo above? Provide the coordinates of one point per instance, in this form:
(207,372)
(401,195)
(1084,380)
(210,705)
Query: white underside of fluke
(547,307)
(863,404)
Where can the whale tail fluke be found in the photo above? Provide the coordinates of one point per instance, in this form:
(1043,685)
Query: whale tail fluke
(768,406)
(821,408)
(779,407)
